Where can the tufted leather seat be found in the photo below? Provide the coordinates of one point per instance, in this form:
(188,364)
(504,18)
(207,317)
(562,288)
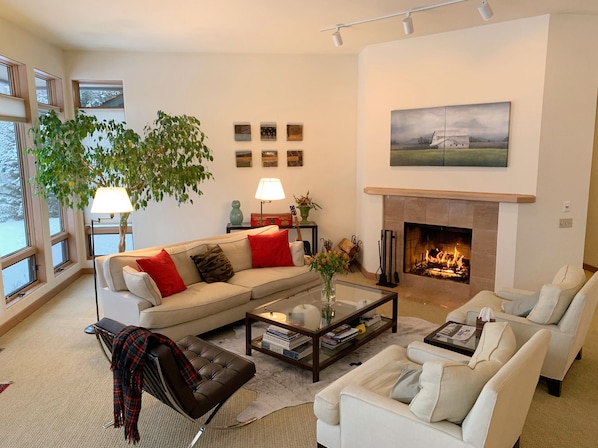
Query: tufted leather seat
(222,372)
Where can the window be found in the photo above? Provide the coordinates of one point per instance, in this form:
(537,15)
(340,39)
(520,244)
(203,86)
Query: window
(100,95)
(107,100)
(19,264)
(49,96)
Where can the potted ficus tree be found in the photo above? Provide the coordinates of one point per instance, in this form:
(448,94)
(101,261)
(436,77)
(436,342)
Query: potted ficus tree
(75,157)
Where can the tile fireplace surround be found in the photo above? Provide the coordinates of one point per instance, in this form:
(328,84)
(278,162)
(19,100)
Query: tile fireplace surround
(469,210)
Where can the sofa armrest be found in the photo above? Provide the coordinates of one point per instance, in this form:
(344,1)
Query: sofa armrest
(123,306)
(515,294)
(369,419)
(421,352)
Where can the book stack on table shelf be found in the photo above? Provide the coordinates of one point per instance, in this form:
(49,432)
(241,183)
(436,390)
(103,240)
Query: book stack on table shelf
(339,337)
(287,342)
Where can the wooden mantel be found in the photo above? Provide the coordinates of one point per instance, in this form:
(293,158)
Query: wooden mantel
(444,194)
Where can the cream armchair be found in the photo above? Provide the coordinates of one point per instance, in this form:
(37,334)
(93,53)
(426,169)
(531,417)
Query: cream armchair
(564,307)
(365,415)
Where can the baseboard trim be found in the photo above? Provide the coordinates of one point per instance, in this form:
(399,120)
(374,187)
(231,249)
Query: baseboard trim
(590,268)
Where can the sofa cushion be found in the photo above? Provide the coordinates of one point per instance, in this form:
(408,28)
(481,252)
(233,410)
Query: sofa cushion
(238,253)
(449,389)
(142,285)
(213,266)
(297,252)
(556,297)
(162,270)
(267,281)
(181,256)
(270,250)
(199,300)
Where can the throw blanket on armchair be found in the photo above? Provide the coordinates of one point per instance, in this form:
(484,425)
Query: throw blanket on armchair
(129,354)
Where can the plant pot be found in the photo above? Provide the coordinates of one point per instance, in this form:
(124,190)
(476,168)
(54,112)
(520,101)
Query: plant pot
(304,212)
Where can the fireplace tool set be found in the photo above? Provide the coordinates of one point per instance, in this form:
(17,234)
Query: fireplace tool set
(388,242)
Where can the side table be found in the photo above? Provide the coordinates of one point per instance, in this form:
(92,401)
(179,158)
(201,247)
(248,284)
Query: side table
(311,225)
(441,337)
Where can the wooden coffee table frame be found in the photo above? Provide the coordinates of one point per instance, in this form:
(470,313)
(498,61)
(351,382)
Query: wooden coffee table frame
(313,362)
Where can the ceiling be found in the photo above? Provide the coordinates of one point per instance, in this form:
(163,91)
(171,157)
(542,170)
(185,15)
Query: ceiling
(253,26)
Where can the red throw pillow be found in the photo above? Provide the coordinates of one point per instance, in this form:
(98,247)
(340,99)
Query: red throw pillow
(163,271)
(270,250)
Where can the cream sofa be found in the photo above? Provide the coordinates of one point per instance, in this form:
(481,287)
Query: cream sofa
(201,306)
(458,407)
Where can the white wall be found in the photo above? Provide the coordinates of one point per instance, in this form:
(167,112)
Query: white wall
(520,61)
(318,91)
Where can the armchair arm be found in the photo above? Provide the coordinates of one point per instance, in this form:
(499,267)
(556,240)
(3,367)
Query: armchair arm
(421,352)
(369,419)
(515,294)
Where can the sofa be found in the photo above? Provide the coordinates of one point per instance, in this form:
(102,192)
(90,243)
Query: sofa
(197,286)
(565,307)
(426,396)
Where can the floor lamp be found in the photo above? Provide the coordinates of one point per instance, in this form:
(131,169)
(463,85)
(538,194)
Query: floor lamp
(107,200)
(269,189)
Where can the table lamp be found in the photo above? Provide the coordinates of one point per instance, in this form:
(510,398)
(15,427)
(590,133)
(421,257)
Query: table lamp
(107,200)
(269,189)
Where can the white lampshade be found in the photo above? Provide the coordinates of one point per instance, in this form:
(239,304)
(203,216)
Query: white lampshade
(269,189)
(111,200)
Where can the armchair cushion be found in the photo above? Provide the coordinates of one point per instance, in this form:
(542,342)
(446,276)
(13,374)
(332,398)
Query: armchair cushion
(407,386)
(521,307)
(449,389)
(556,297)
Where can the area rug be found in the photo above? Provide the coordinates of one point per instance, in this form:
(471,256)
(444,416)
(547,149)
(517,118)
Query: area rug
(279,385)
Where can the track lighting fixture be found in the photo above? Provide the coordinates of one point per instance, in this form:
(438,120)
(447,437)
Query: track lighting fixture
(485,10)
(408,24)
(337,38)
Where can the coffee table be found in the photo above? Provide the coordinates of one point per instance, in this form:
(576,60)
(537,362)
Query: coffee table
(440,338)
(283,312)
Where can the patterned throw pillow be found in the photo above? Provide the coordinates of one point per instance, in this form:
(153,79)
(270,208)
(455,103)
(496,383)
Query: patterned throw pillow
(213,266)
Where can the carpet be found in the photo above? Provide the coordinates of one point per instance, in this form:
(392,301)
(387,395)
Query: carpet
(279,385)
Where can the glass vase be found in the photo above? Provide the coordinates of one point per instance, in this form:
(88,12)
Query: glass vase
(328,294)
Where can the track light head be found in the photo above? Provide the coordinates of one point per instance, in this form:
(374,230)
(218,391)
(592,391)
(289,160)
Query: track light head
(408,24)
(485,10)
(337,38)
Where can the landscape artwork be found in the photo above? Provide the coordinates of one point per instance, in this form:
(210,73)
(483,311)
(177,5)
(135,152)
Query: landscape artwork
(466,135)
(242,132)
(269,159)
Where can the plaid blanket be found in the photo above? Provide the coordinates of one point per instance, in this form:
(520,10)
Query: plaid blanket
(129,352)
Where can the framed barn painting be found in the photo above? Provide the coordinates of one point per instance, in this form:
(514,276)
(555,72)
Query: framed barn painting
(467,135)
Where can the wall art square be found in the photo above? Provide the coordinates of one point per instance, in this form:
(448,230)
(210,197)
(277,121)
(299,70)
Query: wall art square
(244,159)
(268,132)
(269,159)
(294,132)
(466,135)
(242,132)
(295,157)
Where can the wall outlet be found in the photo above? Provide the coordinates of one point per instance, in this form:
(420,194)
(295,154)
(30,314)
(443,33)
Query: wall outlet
(565,223)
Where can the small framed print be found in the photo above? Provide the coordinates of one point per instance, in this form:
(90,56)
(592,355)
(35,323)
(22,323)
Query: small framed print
(268,132)
(244,159)
(269,158)
(294,132)
(242,132)
(295,157)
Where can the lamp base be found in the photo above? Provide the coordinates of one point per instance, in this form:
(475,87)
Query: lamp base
(90,329)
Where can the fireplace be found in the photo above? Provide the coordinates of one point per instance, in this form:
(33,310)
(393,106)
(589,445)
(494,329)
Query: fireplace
(439,252)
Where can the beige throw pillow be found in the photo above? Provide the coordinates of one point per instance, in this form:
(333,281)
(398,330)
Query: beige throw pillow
(297,253)
(142,285)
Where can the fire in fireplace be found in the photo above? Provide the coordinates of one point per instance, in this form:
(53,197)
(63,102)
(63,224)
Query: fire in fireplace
(437,251)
